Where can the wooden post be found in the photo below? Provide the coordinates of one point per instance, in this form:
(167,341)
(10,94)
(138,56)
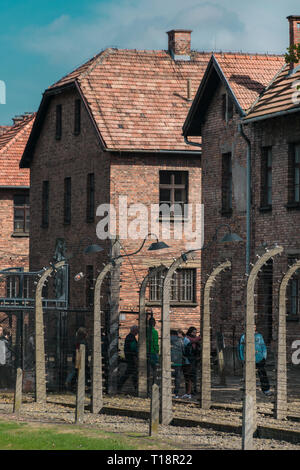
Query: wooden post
(205,396)
(154,411)
(18,391)
(142,351)
(280,409)
(40,370)
(80,396)
(249,405)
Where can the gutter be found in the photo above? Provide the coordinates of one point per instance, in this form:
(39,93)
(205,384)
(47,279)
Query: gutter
(272,115)
(248,208)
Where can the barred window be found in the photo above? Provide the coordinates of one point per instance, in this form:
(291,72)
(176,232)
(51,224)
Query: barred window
(21,213)
(12,287)
(183,285)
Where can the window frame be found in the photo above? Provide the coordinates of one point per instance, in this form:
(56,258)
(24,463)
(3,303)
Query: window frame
(77,116)
(227,185)
(266,171)
(67,200)
(25,207)
(58,122)
(45,203)
(292,167)
(180,284)
(173,187)
(294,281)
(90,198)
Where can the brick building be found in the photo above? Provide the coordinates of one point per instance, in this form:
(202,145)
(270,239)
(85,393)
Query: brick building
(14,203)
(110,129)
(270,121)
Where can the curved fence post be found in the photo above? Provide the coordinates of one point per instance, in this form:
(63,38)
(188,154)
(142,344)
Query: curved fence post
(280,409)
(166,377)
(97,382)
(249,405)
(205,399)
(40,369)
(142,351)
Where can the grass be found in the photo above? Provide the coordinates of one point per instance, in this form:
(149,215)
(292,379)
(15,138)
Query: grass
(25,436)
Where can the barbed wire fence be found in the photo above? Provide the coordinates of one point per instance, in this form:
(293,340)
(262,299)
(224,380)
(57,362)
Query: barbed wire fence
(221,372)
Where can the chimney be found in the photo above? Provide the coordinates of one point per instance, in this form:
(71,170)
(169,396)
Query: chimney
(179,44)
(294,29)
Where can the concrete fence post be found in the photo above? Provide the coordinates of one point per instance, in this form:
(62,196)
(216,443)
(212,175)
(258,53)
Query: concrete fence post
(97,381)
(40,369)
(154,411)
(142,351)
(80,395)
(280,409)
(249,404)
(18,391)
(205,395)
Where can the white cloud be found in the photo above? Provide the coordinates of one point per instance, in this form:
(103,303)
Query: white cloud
(254,26)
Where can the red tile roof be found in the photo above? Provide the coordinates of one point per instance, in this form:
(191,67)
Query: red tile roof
(281,96)
(138,99)
(249,74)
(12,145)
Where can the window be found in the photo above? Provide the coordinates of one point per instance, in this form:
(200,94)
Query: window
(266,177)
(173,191)
(89,285)
(226,184)
(77,117)
(45,204)
(293,290)
(182,286)
(67,200)
(294,174)
(227,107)
(90,198)
(21,213)
(58,121)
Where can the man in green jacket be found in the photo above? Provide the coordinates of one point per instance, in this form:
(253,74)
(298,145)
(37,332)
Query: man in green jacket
(152,349)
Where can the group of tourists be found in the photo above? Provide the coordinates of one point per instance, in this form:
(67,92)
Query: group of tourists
(185,358)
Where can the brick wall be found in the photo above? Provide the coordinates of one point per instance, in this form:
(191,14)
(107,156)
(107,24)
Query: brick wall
(136,176)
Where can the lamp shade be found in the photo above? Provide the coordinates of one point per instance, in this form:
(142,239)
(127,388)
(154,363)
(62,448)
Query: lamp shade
(158,246)
(231,237)
(93,249)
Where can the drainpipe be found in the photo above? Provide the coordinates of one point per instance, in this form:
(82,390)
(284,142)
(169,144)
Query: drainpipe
(248,209)
(188,142)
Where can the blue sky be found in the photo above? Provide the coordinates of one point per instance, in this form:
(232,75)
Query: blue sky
(40,41)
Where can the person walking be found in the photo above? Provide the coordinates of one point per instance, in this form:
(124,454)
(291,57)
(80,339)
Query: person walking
(177,359)
(6,359)
(194,355)
(131,357)
(152,350)
(260,359)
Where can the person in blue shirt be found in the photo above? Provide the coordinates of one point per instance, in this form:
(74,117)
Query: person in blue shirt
(260,360)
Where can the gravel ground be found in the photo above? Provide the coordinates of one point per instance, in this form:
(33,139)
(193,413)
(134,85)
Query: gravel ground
(60,410)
